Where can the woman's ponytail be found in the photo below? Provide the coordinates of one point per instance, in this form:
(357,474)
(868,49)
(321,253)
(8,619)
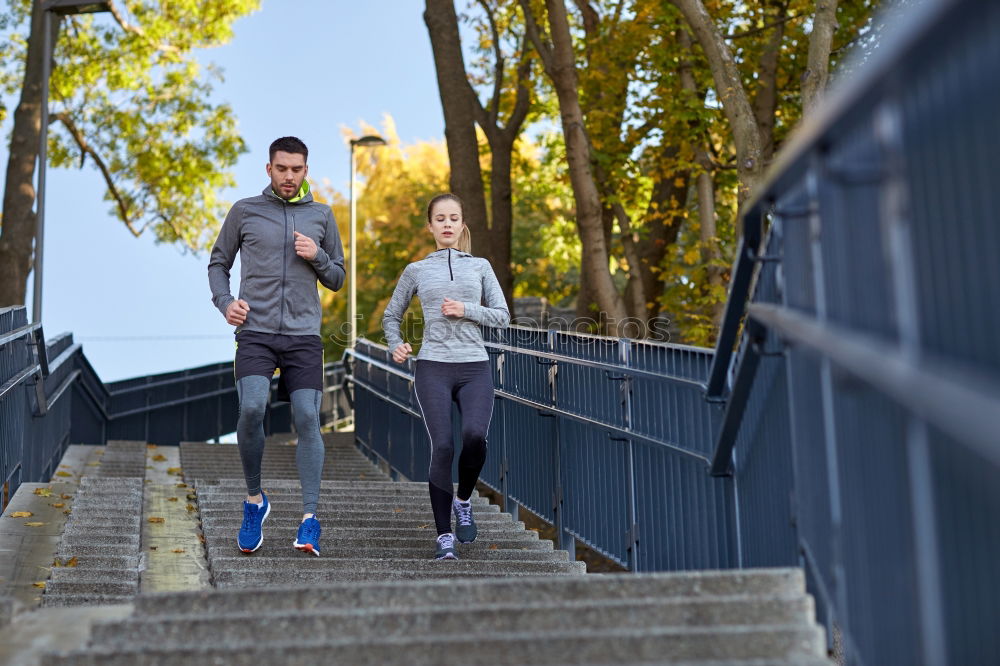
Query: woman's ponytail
(464,243)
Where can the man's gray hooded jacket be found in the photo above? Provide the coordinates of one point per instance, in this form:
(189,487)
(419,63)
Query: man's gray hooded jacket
(279,285)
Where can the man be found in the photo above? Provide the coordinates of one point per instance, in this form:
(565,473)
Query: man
(287,241)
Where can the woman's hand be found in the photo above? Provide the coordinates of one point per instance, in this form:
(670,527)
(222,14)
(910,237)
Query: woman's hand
(452,308)
(402,352)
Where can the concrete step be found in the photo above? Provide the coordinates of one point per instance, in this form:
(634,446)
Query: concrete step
(275,485)
(350,541)
(230,579)
(344,517)
(86,599)
(92,575)
(109,561)
(335,498)
(485,620)
(88,590)
(425,549)
(88,537)
(691,585)
(288,530)
(579,647)
(299,563)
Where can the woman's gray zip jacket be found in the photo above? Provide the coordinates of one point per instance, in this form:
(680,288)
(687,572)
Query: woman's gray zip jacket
(279,285)
(460,277)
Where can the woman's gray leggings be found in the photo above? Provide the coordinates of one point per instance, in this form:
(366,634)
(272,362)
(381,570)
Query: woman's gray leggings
(253,393)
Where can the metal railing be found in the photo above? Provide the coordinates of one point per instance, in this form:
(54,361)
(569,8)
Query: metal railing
(50,397)
(849,419)
(863,401)
(584,430)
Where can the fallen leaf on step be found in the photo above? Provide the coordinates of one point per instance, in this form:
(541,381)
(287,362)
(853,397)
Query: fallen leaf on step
(192,496)
(159,457)
(71,562)
(62,473)
(171,499)
(182,485)
(155,519)
(361,475)
(58,505)
(64,496)
(44,492)
(397,510)
(151,446)
(422,527)
(152,547)
(66,511)
(493,546)
(174,470)
(93,464)
(33,524)
(192,507)
(40,583)
(201,537)
(21,514)
(177,550)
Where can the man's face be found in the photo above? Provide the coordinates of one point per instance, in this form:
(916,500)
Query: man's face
(287,171)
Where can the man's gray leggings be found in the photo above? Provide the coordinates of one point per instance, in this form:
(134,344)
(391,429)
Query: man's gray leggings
(253,393)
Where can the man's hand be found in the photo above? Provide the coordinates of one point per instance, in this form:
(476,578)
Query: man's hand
(400,353)
(452,308)
(236,312)
(305,247)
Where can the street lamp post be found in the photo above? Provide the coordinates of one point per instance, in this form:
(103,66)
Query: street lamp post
(352,314)
(63,8)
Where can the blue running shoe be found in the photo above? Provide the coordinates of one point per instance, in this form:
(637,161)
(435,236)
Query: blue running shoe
(251,537)
(465,524)
(308,538)
(446,547)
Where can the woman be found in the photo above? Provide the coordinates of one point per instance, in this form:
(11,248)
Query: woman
(452,364)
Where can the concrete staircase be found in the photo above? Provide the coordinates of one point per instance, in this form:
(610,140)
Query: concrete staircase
(718,618)
(375,596)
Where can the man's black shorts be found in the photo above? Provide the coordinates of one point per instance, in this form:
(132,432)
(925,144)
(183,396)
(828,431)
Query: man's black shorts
(300,358)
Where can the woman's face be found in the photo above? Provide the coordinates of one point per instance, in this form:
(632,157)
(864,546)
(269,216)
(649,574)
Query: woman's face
(446,223)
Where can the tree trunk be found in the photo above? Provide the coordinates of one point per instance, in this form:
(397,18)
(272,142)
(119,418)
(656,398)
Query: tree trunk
(664,220)
(18,231)
(560,65)
(820,42)
(730,92)
(766,101)
(502,214)
(466,178)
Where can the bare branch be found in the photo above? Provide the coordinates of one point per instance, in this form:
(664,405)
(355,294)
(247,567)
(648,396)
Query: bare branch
(763,28)
(86,149)
(498,69)
(820,42)
(522,102)
(137,30)
(534,34)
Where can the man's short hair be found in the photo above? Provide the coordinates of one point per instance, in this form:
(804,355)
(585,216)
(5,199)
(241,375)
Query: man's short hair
(289,144)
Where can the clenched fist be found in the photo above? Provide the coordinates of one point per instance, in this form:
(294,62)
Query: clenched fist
(452,308)
(236,312)
(305,247)
(401,352)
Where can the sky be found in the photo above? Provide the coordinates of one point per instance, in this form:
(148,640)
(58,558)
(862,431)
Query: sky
(139,307)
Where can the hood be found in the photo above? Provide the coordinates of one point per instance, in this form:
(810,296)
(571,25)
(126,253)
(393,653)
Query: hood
(304,194)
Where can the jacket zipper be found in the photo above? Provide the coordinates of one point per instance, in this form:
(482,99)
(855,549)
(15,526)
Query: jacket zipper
(284,266)
(449,266)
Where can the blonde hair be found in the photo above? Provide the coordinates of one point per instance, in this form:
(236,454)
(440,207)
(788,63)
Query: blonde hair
(464,243)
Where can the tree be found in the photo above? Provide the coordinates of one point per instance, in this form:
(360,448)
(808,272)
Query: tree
(555,48)
(128,95)
(510,96)
(395,183)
